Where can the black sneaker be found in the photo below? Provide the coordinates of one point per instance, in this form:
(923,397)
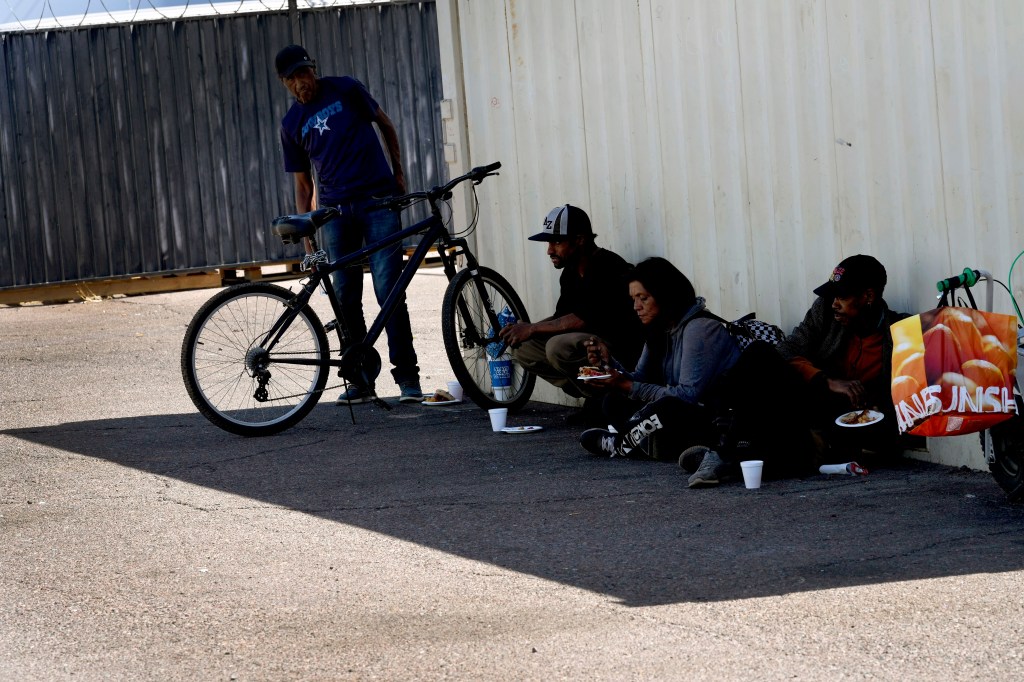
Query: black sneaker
(600,442)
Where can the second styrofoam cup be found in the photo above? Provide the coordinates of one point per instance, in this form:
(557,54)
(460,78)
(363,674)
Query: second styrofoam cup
(498,416)
(752,472)
(455,388)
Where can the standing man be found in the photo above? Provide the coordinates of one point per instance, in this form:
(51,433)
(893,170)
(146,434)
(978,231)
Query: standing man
(594,301)
(329,128)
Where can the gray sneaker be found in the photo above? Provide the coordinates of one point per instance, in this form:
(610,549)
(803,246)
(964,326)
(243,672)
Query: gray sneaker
(411,392)
(691,458)
(708,472)
(355,395)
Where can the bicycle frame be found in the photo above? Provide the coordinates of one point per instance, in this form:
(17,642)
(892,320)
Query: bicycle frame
(434,232)
(256,358)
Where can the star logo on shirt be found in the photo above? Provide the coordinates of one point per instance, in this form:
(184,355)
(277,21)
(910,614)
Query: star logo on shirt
(321,124)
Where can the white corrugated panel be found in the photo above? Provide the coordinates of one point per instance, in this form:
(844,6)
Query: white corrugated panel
(754,143)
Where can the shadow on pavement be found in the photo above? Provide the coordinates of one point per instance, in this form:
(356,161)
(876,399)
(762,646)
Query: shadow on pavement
(537,504)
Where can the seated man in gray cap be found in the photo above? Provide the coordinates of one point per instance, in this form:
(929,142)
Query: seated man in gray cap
(594,301)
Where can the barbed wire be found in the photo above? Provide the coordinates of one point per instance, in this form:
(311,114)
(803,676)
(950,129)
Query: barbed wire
(36,15)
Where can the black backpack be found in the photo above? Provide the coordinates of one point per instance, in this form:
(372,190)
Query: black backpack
(748,330)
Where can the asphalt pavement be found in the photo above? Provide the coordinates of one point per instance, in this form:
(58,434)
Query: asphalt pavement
(142,543)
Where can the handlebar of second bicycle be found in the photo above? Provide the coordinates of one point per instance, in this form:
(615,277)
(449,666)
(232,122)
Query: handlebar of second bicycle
(968,278)
(441,191)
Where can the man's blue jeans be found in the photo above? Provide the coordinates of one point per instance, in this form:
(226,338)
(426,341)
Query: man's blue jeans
(347,234)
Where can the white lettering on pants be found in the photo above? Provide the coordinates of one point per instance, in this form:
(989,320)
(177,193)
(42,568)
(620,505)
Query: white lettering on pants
(645,428)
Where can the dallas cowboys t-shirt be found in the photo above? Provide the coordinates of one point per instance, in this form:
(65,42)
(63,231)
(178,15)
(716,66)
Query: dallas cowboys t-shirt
(333,132)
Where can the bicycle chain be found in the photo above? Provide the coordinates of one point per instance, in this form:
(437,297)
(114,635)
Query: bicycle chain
(296,395)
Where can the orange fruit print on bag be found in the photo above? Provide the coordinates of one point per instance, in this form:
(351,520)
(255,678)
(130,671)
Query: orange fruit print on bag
(952,371)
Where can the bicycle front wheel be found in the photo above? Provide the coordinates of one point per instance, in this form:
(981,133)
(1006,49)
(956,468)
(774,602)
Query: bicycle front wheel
(240,379)
(465,323)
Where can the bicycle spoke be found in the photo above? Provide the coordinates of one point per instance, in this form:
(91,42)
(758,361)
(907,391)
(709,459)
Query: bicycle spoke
(232,378)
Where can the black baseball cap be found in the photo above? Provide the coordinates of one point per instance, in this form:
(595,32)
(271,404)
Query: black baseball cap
(564,222)
(291,58)
(854,275)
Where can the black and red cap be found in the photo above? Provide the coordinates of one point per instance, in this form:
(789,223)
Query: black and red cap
(854,275)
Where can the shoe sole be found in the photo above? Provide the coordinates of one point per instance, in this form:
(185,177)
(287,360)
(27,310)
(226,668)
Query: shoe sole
(410,399)
(702,482)
(353,401)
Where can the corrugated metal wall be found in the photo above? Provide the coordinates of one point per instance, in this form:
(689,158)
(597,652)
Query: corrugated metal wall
(154,147)
(754,143)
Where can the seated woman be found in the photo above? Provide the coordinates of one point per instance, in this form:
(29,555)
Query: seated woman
(659,408)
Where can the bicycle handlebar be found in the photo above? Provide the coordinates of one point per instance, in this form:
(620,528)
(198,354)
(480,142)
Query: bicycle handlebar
(477,175)
(968,278)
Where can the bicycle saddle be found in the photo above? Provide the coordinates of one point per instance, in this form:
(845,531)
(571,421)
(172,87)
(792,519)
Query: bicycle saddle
(292,228)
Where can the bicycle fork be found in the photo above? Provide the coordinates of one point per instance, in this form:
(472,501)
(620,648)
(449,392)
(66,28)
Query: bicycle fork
(472,336)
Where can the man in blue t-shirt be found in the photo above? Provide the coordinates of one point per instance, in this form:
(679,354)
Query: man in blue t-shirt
(329,128)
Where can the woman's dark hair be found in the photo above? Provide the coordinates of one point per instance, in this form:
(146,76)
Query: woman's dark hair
(670,288)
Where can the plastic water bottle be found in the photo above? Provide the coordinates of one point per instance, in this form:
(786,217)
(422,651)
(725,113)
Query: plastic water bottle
(850,468)
(500,360)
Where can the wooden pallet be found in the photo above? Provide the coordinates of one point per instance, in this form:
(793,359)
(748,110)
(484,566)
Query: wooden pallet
(260,272)
(87,290)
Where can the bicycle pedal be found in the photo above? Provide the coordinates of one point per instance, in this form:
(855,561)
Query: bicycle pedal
(331,326)
(379,402)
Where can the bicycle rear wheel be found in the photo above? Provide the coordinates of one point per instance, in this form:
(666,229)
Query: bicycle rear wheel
(233,380)
(1008,446)
(465,323)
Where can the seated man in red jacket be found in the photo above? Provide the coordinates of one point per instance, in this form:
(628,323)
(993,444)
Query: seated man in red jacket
(843,352)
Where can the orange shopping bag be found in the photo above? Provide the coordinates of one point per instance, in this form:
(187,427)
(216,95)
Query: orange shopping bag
(952,371)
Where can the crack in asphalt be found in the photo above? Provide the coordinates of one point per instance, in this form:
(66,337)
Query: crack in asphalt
(212,464)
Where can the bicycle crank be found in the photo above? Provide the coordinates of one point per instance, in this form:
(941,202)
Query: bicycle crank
(360,364)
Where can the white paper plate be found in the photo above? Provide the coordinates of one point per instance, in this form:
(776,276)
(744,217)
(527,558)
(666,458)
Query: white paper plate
(522,429)
(599,376)
(875,418)
(441,403)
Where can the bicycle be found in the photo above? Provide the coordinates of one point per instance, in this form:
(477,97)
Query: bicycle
(255,358)
(1003,444)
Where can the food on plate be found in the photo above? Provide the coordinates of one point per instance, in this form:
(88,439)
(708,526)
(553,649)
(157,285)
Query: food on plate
(439,396)
(592,372)
(862,417)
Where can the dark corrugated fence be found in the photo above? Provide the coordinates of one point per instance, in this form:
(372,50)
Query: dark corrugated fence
(153,148)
